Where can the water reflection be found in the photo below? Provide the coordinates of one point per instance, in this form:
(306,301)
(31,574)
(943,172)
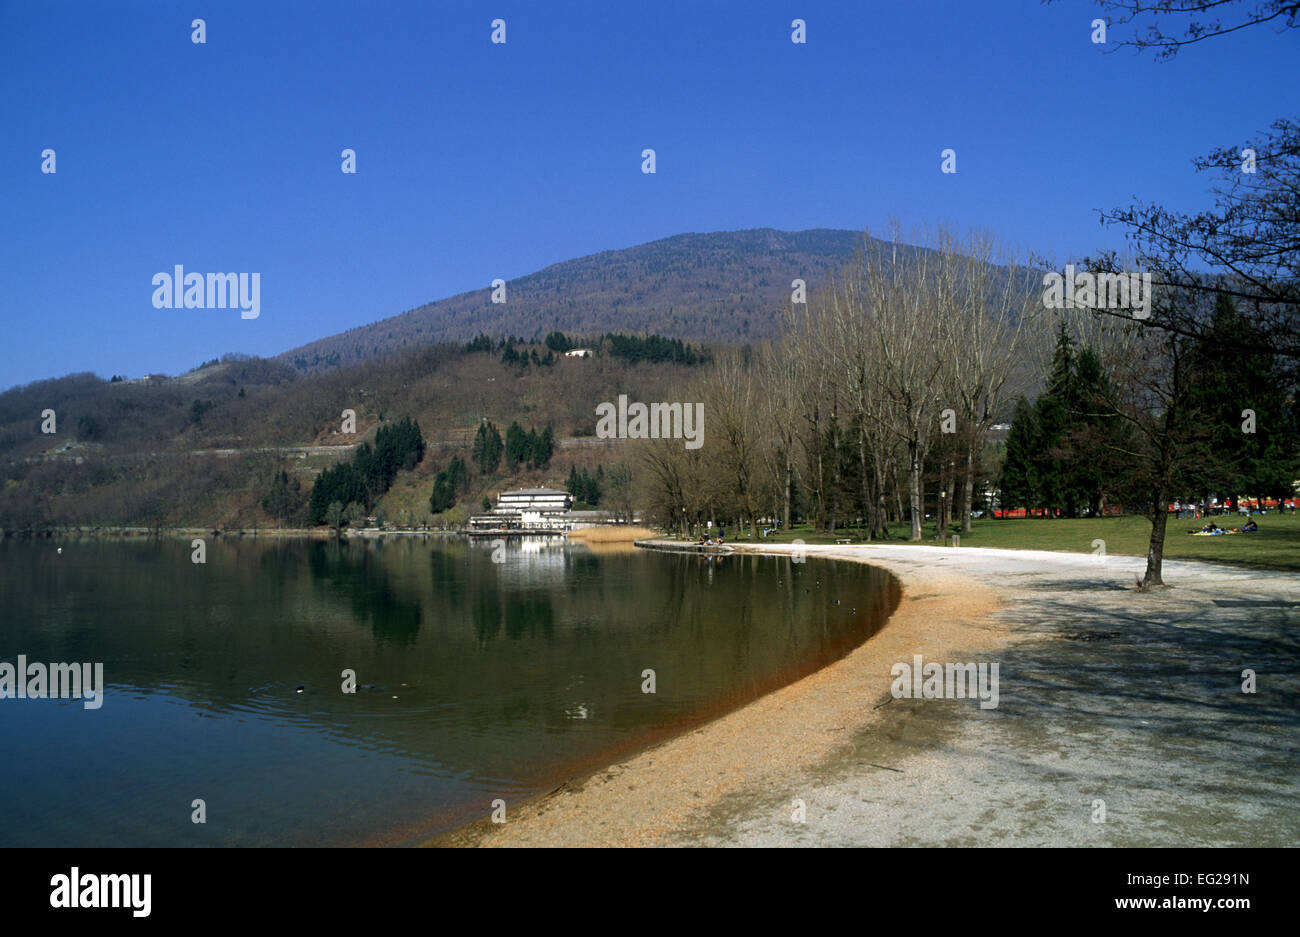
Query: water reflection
(357,572)
(480,676)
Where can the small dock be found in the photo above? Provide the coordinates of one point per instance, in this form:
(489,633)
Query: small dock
(681,547)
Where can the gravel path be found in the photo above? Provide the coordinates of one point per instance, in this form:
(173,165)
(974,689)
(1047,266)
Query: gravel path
(1106,694)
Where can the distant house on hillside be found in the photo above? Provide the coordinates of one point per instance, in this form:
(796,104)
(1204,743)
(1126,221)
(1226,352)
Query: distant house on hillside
(578,353)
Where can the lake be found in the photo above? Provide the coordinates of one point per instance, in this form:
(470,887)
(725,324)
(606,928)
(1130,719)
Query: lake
(482,673)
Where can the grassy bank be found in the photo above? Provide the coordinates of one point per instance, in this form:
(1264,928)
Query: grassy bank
(1275,546)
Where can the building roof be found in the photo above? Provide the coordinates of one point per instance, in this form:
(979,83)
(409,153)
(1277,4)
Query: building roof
(535,491)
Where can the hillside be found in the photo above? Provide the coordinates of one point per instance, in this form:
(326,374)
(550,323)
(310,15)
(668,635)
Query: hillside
(723,287)
(201,449)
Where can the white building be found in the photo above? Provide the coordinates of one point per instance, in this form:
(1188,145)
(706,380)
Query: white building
(578,353)
(527,509)
(537,501)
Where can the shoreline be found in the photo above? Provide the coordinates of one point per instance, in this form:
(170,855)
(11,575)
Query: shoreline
(640,800)
(304,533)
(630,540)
(628,533)
(1113,699)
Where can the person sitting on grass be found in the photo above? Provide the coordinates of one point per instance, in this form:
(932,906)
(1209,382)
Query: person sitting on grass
(1249,527)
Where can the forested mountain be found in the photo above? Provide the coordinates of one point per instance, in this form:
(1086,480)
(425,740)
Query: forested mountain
(236,433)
(726,287)
(206,447)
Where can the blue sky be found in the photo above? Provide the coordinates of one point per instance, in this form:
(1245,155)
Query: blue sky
(478,161)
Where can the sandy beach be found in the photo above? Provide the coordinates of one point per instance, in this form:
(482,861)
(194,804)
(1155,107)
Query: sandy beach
(644,799)
(1108,695)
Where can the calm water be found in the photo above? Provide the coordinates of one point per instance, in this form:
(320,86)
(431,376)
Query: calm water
(480,679)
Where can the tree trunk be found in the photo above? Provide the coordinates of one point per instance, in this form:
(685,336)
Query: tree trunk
(881,530)
(941,505)
(1156,549)
(949,502)
(916,508)
(968,489)
(785,490)
(820,519)
(837,486)
(868,502)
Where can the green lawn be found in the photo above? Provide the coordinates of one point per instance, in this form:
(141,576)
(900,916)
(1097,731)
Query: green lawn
(1275,546)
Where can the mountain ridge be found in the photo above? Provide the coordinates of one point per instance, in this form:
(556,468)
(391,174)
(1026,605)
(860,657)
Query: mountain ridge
(722,286)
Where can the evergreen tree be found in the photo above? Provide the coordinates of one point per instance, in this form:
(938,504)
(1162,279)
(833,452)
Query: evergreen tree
(1019,481)
(448,485)
(340,483)
(458,475)
(1054,420)
(1097,436)
(371,472)
(584,487)
(545,448)
(654,348)
(516,447)
(590,489)
(486,453)
(1231,384)
(284,498)
(368,467)
(443,495)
